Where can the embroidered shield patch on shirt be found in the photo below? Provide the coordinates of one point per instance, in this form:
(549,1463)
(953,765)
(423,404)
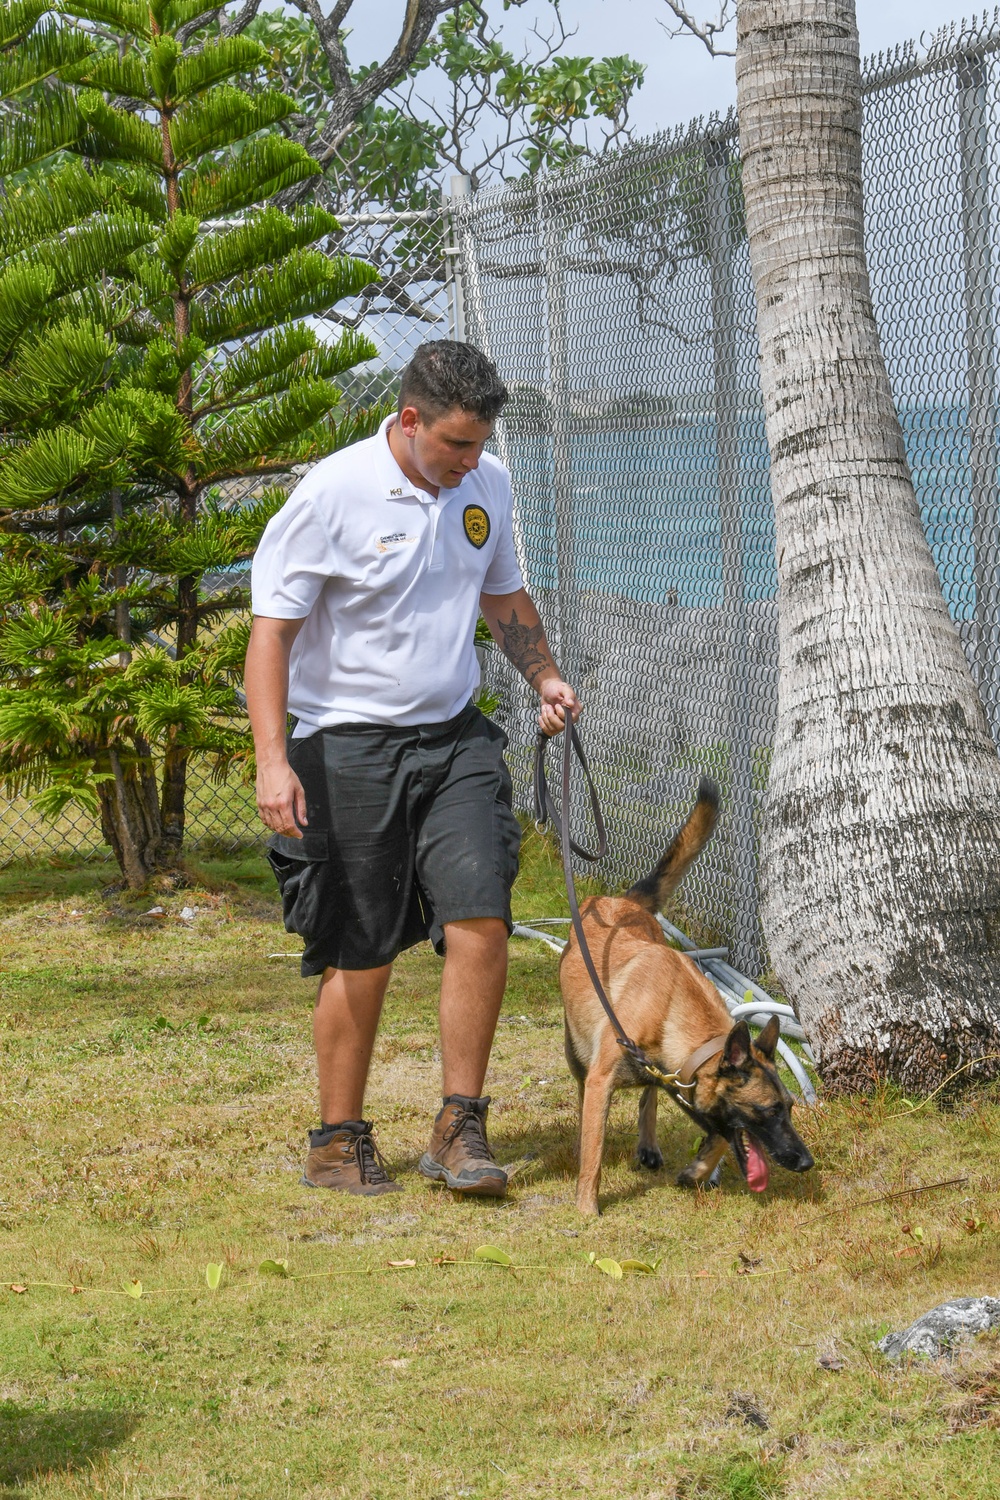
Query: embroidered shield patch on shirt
(477,525)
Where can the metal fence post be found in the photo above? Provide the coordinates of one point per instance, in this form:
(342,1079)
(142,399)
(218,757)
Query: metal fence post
(469,320)
(552,217)
(745,937)
(461,189)
(974,147)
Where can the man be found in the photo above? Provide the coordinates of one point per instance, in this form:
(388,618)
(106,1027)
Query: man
(390,809)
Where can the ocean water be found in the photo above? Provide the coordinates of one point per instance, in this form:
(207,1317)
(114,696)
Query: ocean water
(646,523)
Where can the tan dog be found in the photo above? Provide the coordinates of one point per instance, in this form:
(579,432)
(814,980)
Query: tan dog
(678,1018)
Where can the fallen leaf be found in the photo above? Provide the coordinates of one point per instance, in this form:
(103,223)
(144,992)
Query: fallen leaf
(830,1362)
(213,1275)
(155,911)
(906,1251)
(700,1274)
(610,1268)
(400,1265)
(643,1266)
(132,1289)
(491,1254)
(273,1268)
(19,1289)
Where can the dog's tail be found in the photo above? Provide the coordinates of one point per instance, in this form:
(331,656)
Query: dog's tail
(653,890)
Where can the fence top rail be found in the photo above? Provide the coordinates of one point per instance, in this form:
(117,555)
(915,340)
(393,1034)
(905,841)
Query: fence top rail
(947,47)
(356,221)
(950,45)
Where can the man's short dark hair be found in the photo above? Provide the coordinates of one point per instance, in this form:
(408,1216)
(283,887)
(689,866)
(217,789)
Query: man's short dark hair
(444,375)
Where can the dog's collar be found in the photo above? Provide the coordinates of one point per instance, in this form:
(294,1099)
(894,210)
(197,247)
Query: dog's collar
(693,1062)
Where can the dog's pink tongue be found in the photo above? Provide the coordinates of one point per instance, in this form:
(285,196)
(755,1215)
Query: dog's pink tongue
(756,1166)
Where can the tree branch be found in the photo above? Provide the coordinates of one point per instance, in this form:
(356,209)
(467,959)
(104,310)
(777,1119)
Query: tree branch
(707,32)
(352,96)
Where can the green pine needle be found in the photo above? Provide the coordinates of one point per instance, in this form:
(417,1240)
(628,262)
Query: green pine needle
(223,116)
(269,430)
(165,52)
(44,207)
(25,292)
(217,61)
(123,76)
(265,363)
(265,367)
(264,237)
(262,169)
(116,135)
(18,18)
(37,136)
(69,359)
(100,245)
(124,17)
(305,282)
(50,49)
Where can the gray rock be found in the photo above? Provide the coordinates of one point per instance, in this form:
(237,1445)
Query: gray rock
(939,1330)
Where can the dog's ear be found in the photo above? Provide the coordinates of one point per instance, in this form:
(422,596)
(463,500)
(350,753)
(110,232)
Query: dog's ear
(768,1038)
(736,1051)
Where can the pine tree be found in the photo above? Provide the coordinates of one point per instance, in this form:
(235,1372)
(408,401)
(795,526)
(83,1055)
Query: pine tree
(155,349)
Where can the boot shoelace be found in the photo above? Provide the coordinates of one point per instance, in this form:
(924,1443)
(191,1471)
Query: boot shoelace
(471,1126)
(371,1166)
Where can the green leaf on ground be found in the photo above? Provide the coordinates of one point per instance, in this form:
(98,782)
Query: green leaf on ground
(491,1254)
(273,1268)
(213,1275)
(645,1267)
(132,1289)
(610,1268)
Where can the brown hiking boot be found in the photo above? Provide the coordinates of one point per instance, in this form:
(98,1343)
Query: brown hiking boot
(459,1153)
(347,1160)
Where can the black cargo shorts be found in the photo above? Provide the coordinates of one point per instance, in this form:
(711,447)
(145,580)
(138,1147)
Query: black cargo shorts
(409,828)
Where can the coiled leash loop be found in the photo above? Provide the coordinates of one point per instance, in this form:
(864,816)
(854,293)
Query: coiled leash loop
(546,811)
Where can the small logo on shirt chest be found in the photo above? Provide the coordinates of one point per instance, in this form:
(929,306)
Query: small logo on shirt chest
(395,494)
(477,525)
(392,540)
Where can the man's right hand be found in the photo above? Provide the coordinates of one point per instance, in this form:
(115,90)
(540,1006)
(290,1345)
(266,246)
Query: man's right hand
(281,801)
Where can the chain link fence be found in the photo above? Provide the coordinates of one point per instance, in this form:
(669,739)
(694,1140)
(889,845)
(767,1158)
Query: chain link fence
(617,300)
(412,301)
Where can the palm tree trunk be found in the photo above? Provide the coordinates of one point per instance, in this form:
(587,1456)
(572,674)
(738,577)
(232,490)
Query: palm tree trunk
(881,845)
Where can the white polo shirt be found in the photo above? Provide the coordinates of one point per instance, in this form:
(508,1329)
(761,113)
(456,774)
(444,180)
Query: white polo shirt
(387,579)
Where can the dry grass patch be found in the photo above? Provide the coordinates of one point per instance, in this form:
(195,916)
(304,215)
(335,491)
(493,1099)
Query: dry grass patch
(156,1084)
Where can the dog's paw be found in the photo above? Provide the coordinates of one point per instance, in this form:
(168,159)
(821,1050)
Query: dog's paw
(692,1178)
(650,1157)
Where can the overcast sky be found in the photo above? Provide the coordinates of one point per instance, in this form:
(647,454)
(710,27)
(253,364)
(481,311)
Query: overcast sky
(682,81)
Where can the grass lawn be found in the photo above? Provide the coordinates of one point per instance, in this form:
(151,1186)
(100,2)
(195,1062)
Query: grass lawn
(156,1084)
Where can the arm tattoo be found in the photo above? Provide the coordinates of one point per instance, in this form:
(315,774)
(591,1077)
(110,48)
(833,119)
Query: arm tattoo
(524,645)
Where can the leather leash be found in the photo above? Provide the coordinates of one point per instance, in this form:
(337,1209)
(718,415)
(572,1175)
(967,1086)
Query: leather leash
(545,812)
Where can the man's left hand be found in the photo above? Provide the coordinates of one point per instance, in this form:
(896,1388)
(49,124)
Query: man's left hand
(557,697)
